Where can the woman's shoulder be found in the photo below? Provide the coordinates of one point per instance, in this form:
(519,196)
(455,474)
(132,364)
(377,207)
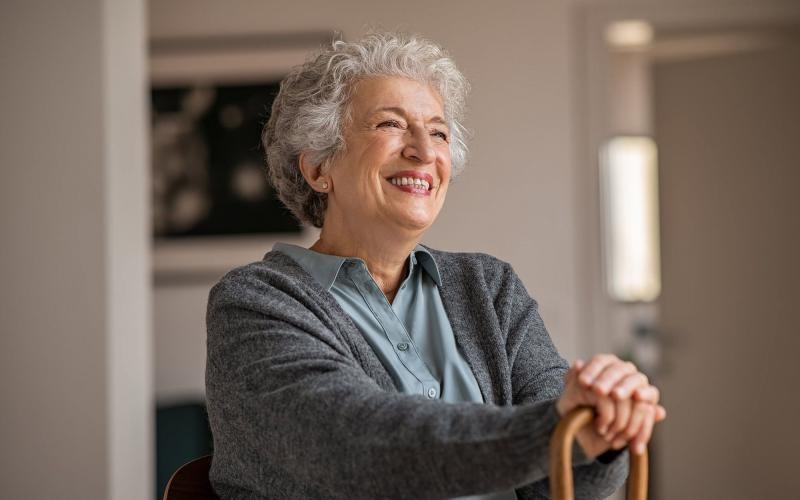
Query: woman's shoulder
(472,265)
(276,274)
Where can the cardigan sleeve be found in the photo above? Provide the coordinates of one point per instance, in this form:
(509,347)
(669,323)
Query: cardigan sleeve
(537,374)
(294,415)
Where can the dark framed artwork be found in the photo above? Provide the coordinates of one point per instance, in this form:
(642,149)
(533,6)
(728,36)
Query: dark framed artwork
(208,168)
(212,207)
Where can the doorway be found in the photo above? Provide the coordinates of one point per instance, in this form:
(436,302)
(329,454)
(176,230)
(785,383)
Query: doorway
(719,93)
(728,129)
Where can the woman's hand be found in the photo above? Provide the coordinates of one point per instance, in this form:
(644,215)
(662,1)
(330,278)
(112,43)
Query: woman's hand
(625,402)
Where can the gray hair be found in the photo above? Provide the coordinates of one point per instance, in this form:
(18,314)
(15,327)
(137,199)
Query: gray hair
(311,108)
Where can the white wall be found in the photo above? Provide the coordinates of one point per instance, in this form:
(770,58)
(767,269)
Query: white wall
(74,307)
(516,199)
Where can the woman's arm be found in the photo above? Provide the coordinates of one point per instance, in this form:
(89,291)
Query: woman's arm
(538,372)
(293,414)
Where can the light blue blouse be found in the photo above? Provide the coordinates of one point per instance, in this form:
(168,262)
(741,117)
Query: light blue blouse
(411,336)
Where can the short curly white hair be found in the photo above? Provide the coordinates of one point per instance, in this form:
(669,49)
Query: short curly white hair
(311,108)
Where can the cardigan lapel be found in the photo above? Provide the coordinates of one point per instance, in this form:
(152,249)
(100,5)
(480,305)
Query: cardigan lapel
(466,309)
(468,312)
(341,321)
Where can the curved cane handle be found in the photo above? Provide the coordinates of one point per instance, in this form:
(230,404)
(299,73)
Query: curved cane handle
(561,487)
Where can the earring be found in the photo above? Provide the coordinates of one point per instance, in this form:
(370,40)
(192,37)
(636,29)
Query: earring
(324,185)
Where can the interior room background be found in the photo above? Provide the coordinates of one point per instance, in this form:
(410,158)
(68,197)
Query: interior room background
(103,301)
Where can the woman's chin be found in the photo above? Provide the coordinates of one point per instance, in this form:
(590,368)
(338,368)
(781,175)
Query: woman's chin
(412,218)
(416,223)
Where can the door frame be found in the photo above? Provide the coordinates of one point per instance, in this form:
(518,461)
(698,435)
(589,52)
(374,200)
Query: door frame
(606,324)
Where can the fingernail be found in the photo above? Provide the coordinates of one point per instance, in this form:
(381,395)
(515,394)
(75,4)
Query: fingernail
(639,448)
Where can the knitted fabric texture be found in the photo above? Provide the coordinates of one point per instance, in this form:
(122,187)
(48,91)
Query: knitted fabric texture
(300,406)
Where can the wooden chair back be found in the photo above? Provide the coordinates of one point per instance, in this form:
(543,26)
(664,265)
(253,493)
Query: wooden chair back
(190,482)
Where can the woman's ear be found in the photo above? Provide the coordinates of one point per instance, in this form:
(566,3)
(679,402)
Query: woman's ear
(313,175)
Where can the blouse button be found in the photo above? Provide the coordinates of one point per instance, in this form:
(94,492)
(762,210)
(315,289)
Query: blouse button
(402,346)
(431,393)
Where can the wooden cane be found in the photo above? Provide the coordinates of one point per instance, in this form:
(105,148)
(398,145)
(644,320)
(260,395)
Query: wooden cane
(561,487)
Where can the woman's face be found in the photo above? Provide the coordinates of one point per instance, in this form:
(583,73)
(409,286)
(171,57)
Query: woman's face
(395,167)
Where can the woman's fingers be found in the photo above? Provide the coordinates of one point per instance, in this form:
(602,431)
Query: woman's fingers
(574,370)
(606,374)
(639,430)
(623,412)
(634,381)
(626,404)
(638,413)
(645,432)
(648,394)
(569,378)
(574,395)
(606,413)
(594,367)
(661,413)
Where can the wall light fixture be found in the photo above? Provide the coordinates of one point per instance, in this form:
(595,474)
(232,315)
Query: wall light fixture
(629,183)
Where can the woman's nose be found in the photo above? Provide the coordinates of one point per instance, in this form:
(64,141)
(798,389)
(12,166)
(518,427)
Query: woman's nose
(419,147)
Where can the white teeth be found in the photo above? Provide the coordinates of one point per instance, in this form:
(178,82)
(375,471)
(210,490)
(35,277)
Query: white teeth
(406,181)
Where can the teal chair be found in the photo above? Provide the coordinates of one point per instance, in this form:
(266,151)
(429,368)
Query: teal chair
(182,434)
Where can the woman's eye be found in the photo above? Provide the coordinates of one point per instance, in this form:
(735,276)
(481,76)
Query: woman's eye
(390,123)
(440,134)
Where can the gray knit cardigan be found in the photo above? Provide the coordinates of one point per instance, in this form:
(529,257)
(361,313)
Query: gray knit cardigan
(301,407)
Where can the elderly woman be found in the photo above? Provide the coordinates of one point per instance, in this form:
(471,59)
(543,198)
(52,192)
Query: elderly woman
(370,366)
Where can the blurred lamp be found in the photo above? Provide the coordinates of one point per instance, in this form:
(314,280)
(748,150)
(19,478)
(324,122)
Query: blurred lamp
(629,34)
(629,181)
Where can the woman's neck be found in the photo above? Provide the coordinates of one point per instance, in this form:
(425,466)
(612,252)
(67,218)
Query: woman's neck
(386,257)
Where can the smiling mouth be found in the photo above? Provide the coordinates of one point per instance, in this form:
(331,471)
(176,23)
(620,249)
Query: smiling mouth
(411,182)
